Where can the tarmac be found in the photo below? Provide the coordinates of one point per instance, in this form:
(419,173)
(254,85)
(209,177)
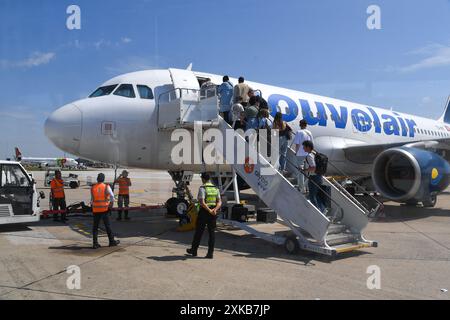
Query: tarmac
(413,257)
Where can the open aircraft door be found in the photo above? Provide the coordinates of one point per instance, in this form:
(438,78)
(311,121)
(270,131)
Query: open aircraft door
(187,104)
(185,79)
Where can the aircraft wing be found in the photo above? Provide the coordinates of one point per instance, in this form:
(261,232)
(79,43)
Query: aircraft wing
(366,154)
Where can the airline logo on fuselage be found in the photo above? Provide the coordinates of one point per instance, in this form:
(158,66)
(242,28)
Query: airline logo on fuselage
(364,120)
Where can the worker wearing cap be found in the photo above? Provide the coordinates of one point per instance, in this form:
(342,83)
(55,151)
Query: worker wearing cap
(210,204)
(58,196)
(124,194)
(102,202)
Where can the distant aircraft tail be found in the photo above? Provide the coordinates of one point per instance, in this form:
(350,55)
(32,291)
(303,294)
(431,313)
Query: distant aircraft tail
(446,116)
(18,156)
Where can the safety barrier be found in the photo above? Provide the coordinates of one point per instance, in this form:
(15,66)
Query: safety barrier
(47,213)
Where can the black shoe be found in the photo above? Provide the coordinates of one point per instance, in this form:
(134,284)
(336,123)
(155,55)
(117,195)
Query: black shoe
(115,243)
(96,246)
(191,252)
(209,256)
(127,218)
(119,219)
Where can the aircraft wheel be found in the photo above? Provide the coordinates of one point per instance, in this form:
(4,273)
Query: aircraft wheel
(431,203)
(177,207)
(411,203)
(73,185)
(291,244)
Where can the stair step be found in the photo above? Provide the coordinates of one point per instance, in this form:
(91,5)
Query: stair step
(337,228)
(341,238)
(343,248)
(292,179)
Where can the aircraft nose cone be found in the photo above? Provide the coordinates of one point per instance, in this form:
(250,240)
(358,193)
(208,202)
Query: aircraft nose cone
(63,128)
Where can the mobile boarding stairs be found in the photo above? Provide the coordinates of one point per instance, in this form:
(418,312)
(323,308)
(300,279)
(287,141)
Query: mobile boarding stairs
(311,230)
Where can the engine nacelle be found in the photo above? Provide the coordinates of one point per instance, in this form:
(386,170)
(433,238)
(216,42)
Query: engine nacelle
(402,174)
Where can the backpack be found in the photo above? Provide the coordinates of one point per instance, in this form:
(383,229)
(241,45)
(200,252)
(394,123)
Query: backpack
(321,161)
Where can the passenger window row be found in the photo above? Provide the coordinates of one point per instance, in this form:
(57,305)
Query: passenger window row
(124,90)
(432,133)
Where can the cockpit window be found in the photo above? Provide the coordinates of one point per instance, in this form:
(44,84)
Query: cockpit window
(103,91)
(145,92)
(125,90)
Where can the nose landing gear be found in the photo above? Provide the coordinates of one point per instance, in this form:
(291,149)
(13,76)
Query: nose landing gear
(178,205)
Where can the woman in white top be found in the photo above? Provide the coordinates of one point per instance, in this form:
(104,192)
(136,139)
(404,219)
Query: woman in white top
(236,110)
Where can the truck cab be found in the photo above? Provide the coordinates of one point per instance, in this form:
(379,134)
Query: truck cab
(19,200)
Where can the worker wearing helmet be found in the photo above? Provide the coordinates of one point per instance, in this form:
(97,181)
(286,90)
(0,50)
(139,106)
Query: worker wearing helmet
(58,196)
(124,194)
(102,203)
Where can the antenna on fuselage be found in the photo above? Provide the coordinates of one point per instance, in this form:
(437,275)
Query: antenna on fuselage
(189,68)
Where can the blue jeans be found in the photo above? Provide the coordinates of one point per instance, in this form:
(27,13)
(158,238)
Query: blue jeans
(283,152)
(314,183)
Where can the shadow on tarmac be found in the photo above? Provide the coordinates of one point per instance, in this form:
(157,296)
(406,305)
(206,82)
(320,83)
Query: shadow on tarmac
(14,228)
(408,213)
(169,258)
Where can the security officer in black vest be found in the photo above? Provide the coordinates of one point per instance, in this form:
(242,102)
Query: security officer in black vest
(210,204)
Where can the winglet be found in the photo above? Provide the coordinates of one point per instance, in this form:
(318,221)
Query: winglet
(446,116)
(189,68)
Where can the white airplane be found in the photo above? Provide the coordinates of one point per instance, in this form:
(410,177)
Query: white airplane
(403,157)
(45,162)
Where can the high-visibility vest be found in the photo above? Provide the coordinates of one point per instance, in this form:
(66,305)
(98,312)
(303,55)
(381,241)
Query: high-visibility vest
(100,198)
(57,187)
(124,188)
(210,195)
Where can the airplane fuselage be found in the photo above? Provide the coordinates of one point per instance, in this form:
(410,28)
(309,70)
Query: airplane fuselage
(123,130)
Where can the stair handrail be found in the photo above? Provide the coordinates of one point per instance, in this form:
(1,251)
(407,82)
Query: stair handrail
(180,96)
(338,207)
(379,203)
(373,211)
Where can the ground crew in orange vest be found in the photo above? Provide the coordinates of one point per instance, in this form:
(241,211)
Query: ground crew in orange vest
(102,203)
(58,196)
(124,194)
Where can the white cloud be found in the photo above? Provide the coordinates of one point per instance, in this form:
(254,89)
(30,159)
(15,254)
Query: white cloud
(36,59)
(437,55)
(426,100)
(17,113)
(132,64)
(101,44)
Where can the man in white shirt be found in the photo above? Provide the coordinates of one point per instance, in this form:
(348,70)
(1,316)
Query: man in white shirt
(302,135)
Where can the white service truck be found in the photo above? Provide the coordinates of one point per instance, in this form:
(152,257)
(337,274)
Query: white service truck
(71,180)
(19,200)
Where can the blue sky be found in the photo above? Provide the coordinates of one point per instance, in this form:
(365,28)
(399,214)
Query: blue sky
(317,46)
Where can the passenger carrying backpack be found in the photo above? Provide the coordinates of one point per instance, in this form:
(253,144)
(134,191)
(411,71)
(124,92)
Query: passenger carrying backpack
(321,163)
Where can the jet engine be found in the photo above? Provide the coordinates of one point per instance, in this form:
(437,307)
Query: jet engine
(410,175)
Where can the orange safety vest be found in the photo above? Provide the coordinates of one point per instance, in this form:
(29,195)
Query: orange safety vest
(57,187)
(100,198)
(124,188)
